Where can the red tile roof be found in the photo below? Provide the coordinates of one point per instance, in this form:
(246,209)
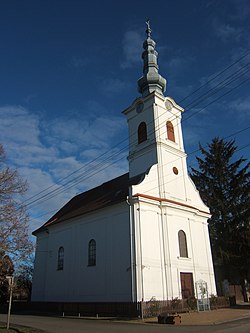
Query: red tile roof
(107,194)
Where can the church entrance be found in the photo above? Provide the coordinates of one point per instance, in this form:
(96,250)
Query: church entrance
(187,285)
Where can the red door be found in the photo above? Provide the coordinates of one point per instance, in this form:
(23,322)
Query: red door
(187,285)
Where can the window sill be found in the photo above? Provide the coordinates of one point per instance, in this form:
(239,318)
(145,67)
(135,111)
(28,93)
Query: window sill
(172,142)
(142,143)
(184,258)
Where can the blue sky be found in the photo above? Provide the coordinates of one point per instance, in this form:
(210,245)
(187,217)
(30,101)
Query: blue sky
(69,68)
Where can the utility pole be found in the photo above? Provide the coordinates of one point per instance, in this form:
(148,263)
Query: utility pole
(11,285)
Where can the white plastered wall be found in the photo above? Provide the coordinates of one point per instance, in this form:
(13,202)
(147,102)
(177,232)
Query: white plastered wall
(157,223)
(109,280)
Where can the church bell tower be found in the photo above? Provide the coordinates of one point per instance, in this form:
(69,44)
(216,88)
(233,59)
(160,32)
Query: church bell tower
(155,134)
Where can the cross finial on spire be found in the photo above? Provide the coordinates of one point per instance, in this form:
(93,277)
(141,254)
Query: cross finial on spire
(148,30)
(151,79)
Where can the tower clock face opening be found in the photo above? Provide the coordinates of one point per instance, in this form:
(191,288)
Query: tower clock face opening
(139,107)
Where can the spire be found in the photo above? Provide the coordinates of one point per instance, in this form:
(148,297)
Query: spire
(151,79)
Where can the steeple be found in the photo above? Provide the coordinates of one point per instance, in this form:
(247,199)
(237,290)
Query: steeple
(151,79)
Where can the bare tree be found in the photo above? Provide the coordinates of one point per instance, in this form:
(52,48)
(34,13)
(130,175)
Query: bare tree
(14,238)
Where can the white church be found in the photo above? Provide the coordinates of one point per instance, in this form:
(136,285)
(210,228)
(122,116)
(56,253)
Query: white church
(139,236)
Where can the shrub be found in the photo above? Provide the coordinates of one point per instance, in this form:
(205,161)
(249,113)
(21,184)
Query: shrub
(192,303)
(175,303)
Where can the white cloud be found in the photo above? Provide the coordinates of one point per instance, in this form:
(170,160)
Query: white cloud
(225,31)
(241,10)
(114,86)
(180,91)
(38,180)
(176,63)
(83,133)
(132,48)
(18,126)
(179,64)
(20,133)
(65,166)
(240,108)
(46,152)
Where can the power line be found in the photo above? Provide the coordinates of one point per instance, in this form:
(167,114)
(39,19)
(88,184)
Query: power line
(221,72)
(77,180)
(228,80)
(178,177)
(96,172)
(74,172)
(100,164)
(174,179)
(226,93)
(217,75)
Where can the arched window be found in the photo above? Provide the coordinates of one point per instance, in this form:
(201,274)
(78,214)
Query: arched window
(182,244)
(92,253)
(60,259)
(142,132)
(170,131)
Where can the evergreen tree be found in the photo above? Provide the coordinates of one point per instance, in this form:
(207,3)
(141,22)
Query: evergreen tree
(23,279)
(223,183)
(6,268)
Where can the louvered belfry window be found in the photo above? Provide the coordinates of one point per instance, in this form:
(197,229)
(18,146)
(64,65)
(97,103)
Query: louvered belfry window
(142,132)
(170,131)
